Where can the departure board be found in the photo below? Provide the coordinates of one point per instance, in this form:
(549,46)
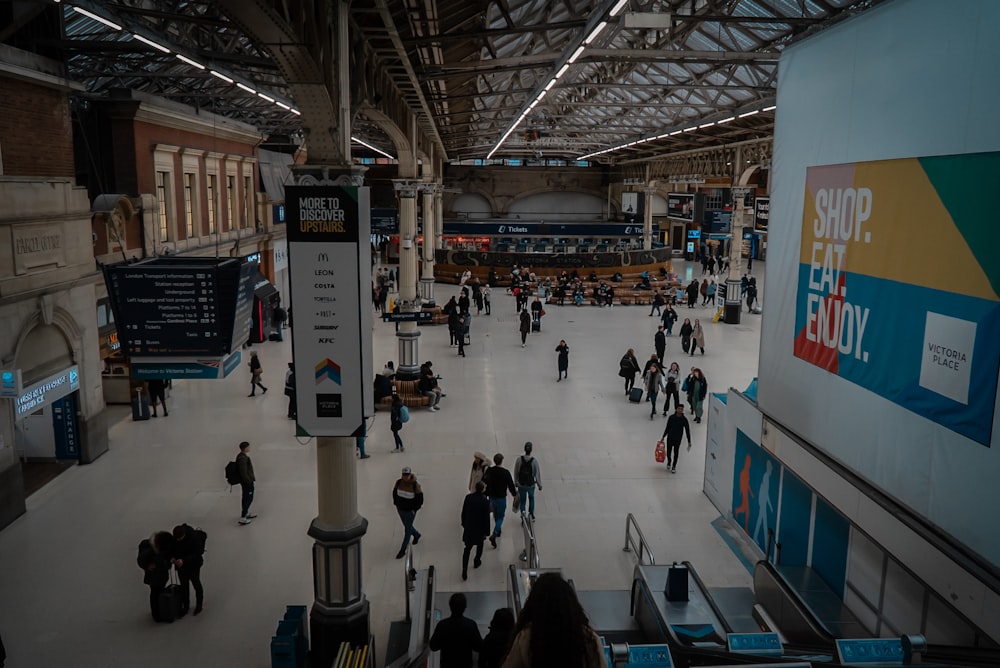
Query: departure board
(181,306)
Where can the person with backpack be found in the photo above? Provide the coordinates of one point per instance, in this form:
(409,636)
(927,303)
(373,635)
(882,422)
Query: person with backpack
(397,413)
(188,558)
(628,368)
(246,480)
(528,477)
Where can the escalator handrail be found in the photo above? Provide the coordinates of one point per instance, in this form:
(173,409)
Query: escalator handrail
(530,541)
(515,594)
(643,547)
(708,597)
(827,640)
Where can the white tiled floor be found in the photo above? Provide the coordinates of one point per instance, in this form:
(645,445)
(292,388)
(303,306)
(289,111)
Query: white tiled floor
(72,595)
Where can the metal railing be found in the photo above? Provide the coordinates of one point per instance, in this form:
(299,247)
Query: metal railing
(409,580)
(642,549)
(530,552)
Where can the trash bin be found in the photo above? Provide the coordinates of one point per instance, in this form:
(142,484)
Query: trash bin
(732,313)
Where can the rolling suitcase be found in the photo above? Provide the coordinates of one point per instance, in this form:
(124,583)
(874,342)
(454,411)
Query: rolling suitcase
(677,583)
(635,395)
(536,325)
(140,406)
(170,603)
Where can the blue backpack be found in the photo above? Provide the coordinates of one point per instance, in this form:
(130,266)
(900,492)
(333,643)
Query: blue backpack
(404,414)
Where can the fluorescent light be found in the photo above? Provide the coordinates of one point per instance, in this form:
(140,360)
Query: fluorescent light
(750,113)
(295,111)
(706,125)
(283,105)
(617,8)
(379,151)
(190,62)
(220,75)
(541,95)
(676,132)
(691,129)
(595,32)
(576,54)
(265,97)
(771,108)
(549,85)
(151,43)
(562,70)
(726,120)
(99,19)
(246,88)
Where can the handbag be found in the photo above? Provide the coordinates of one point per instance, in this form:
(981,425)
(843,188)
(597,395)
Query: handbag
(541,313)
(517,503)
(660,452)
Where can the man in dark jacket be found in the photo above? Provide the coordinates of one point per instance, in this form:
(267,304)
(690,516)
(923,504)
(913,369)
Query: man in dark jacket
(498,483)
(408,498)
(660,343)
(475,526)
(677,427)
(188,558)
(247,480)
(456,637)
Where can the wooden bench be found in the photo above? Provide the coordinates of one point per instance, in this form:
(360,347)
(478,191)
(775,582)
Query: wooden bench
(408,392)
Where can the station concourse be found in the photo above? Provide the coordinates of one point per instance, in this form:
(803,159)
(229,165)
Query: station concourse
(74,550)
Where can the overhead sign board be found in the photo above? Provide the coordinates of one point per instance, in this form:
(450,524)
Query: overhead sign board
(44,392)
(415,316)
(492,229)
(385,221)
(182,306)
(328,226)
(680,206)
(188,368)
(761,213)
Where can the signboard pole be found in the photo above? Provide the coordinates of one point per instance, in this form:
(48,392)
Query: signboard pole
(408,335)
(647,219)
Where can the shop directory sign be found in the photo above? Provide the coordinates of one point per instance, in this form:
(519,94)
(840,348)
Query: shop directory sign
(328,227)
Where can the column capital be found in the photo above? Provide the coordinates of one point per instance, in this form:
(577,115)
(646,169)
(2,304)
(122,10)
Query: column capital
(329,175)
(407,188)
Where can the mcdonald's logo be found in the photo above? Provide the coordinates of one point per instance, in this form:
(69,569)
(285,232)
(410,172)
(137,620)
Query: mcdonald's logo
(322,257)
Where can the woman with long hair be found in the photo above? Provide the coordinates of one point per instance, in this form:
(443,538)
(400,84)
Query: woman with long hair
(553,629)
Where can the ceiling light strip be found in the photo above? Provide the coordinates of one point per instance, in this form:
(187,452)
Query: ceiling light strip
(99,19)
(377,150)
(151,43)
(190,62)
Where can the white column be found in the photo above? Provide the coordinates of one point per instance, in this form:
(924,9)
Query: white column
(429,218)
(647,219)
(408,335)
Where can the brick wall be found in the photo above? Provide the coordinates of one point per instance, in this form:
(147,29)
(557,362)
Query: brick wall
(36,136)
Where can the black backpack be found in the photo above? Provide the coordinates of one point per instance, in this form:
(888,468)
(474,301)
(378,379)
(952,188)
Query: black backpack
(198,540)
(526,472)
(233,473)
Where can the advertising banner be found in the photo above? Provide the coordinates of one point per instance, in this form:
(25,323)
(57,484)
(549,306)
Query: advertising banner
(680,206)
(761,213)
(898,284)
(326,227)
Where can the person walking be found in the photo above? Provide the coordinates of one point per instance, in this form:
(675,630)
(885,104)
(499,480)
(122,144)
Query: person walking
(628,368)
(669,318)
(499,483)
(528,476)
(408,497)
(158,394)
(672,377)
(457,636)
(536,313)
(692,293)
(464,321)
(660,344)
(653,380)
(525,319)
(686,330)
(475,526)
(293,411)
(480,465)
(553,629)
(454,325)
(256,371)
(487,294)
(188,558)
(497,641)
(697,338)
(677,426)
(154,560)
(710,292)
(698,390)
(563,351)
(247,481)
(751,293)
(396,421)
(658,302)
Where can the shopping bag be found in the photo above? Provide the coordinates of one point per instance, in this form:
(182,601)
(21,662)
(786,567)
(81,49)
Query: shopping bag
(660,452)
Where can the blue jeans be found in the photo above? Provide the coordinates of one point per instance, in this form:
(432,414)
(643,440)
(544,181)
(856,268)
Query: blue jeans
(652,400)
(399,441)
(246,498)
(499,507)
(407,517)
(526,495)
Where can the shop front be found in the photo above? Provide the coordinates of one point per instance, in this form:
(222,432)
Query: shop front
(45,414)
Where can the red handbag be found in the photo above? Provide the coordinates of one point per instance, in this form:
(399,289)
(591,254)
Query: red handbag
(661,452)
